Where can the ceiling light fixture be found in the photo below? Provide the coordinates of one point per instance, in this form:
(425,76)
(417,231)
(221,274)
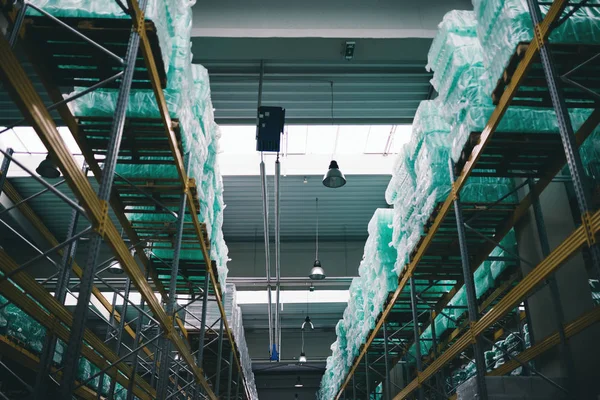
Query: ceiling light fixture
(298,383)
(115,268)
(302,358)
(334,178)
(47,169)
(317,273)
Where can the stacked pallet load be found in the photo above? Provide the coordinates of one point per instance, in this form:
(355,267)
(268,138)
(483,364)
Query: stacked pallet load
(186,88)
(368,293)
(468,57)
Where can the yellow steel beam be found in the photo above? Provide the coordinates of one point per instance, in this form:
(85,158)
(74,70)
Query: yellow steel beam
(571,329)
(486,135)
(34,111)
(32,217)
(541,272)
(118,208)
(24,357)
(56,318)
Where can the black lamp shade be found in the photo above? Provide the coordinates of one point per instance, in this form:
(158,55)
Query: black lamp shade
(47,169)
(334,177)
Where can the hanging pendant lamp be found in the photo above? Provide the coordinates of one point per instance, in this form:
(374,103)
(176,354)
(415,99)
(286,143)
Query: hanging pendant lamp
(47,169)
(317,272)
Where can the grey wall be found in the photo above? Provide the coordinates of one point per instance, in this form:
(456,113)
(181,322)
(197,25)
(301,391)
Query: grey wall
(316,344)
(575,294)
(337,258)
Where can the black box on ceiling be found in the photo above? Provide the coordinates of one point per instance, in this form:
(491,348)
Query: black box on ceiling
(270,127)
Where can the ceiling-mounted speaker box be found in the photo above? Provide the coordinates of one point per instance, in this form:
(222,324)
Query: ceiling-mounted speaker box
(270,127)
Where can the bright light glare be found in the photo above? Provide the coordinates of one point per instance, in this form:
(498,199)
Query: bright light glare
(293,296)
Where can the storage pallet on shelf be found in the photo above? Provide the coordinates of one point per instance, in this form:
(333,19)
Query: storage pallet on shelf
(84,58)
(500,154)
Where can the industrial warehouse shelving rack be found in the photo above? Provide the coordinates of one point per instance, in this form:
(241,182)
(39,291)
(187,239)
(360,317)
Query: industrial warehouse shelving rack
(456,243)
(84,52)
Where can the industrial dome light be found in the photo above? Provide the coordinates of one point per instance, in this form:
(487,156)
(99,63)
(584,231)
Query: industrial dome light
(334,178)
(115,268)
(317,272)
(302,358)
(47,169)
(298,383)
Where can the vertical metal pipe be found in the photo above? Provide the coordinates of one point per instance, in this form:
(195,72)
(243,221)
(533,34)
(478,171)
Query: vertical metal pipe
(230,375)
(60,294)
(87,280)
(388,391)
(559,316)
(434,353)
(109,333)
(470,289)
(200,354)
(566,131)
(277,258)
(119,337)
(265,201)
(136,343)
(417,334)
(219,357)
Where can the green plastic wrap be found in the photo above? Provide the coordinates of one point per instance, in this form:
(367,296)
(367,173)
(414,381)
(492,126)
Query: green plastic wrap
(516,119)
(428,119)
(502,24)
(456,22)
(462,53)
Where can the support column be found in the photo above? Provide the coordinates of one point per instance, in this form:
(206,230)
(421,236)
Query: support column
(417,334)
(136,343)
(219,357)
(367,383)
(559,317)
(200,355)
(470,289)
(119,337)
(165,361)
(438,376)
(87,280)
(230,375)
(387,365)
(567,135)
(60,294)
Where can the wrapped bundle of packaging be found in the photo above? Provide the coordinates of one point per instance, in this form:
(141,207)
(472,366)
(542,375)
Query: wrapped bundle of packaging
(188,100)
(503,24)
(428,120)
(461,53)
(455,22)
(469,91)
